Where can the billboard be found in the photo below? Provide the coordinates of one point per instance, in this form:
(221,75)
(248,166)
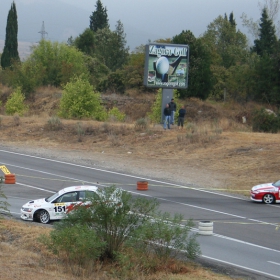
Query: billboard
(166,66)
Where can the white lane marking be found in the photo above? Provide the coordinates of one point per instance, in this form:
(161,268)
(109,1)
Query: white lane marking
(246,243)
(41,189)
(274,262)
(8,196)
(259,221)
(244,267)
(198,207)
(118,173)
(48,173)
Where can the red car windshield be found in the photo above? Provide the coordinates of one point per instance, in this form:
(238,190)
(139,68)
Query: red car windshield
(276,184)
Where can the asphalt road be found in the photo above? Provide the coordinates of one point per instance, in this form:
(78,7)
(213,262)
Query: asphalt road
(245,236)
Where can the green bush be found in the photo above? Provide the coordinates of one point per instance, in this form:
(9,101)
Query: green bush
(80,101)
(167,237)
(264,121)
(116,114)
(116,221)
(15,103)
(77,244)
(26,75)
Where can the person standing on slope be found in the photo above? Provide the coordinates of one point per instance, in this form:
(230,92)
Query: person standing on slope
(172,106)
(181,117)
(167,116)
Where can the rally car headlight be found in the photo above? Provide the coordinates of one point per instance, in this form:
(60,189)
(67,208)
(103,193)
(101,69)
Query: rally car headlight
(26,209)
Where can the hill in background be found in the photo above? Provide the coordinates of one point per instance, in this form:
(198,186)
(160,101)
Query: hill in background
(23,49)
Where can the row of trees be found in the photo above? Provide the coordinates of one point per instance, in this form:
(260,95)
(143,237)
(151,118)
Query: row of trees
(220,59)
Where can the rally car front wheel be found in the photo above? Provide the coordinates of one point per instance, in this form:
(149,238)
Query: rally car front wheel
(44,217)
(268,198)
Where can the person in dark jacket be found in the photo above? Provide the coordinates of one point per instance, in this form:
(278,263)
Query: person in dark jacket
(167,116)
(181,117)
(172,106)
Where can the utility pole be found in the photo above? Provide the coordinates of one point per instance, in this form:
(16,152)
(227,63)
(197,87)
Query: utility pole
(43,32)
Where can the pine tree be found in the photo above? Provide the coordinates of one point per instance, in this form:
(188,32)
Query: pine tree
(267,38)
(232,20)
(99,18)
(10,51)
(122,50)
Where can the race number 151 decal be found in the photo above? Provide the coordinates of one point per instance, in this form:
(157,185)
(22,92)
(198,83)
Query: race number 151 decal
(60,209)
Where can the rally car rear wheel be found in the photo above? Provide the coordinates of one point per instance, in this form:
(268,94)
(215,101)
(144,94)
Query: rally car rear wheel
(44,216)
(268,198)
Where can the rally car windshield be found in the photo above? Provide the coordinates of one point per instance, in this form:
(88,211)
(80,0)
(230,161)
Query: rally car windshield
(276,184)
(51,198)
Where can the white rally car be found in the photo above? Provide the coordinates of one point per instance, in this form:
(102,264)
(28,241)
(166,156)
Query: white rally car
(56,206)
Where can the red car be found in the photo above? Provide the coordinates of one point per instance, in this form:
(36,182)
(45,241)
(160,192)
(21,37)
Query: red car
(267,193)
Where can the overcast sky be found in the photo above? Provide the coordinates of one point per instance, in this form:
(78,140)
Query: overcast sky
(142,19)
(166,18)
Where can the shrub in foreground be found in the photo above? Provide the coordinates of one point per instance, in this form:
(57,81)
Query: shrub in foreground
(115,222)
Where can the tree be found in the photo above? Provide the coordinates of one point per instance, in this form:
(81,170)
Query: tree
(57,63)
(121,56)
(85,42)
(133,70)
(267,37)
(111,47)
(10,51)
(200,76)
(99,18)
(227,42)
(267,78)
(232,20)
(228,48)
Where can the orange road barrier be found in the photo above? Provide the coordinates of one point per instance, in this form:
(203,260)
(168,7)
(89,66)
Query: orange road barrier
(142,185)
(10,178)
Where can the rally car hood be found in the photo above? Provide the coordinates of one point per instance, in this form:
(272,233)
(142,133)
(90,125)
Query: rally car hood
(264,187)
(35,203)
